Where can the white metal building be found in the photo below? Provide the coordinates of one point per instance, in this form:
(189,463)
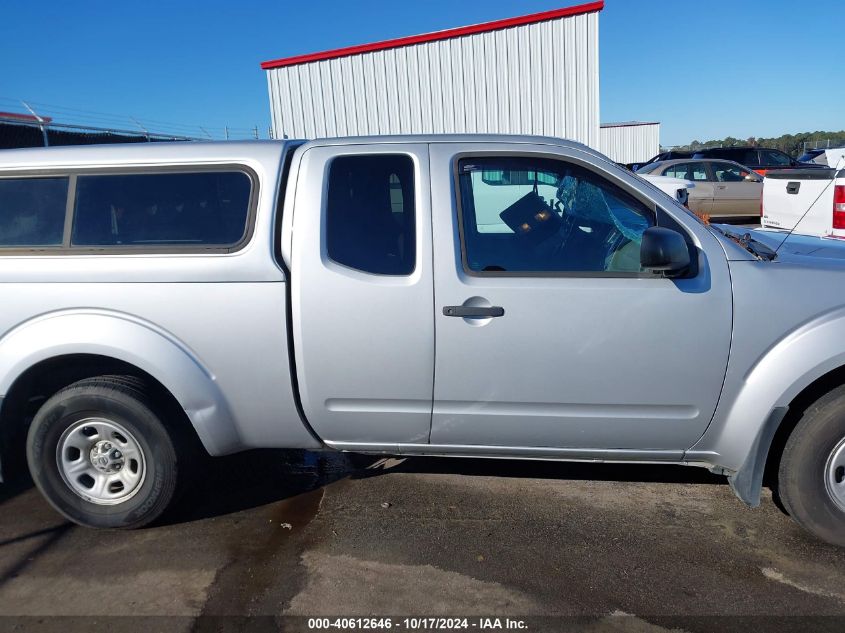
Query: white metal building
(632,142)
(533,74)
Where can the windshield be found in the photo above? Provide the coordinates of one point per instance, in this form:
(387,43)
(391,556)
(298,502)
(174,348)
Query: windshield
(808,157)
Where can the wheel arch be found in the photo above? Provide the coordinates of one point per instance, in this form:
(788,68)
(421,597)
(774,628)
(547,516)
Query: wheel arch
(809,395)
(56,349)
(746,441)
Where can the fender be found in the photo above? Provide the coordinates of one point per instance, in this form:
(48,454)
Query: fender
(132,340)
(739,438)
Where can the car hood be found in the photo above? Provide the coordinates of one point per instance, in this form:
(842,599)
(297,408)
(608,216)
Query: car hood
(795,248)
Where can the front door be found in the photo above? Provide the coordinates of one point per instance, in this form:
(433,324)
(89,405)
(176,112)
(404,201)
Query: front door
(548,334)
(362,292)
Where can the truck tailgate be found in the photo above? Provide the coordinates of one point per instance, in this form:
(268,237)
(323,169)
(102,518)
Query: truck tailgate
(790,195)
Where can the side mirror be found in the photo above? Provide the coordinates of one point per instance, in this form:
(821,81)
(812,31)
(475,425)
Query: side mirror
(753,178)
(664,251)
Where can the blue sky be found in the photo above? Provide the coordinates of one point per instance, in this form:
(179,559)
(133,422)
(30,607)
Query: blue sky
(705,70)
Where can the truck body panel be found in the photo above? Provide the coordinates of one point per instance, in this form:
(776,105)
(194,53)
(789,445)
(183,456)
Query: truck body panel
(279,344)
(541,376)
(200,324)
(343,317)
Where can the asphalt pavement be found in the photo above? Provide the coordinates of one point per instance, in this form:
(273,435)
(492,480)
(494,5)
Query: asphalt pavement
(273,534)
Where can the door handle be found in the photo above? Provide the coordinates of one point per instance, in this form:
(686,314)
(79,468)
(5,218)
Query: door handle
(721,186)
(470,312)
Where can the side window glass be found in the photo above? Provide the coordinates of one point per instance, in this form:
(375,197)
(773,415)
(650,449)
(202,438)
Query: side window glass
(544,215)
(749,158)
(775,158)
(698,172)
(676,171)
(370,215)
(729,173)
(687,171)
(32,211)
(192,209)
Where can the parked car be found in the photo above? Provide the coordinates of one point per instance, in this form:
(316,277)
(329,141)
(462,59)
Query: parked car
(677,188)
(827,157)
(667,155)
(723,188)
(808,202)
(760,159)
(345,294)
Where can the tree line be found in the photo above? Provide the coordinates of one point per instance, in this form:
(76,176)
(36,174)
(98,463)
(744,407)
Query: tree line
(792,144)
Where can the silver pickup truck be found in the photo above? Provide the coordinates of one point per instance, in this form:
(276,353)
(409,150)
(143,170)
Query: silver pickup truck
(479,296)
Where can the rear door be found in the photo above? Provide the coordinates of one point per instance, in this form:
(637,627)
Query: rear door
(737,191)
(548,333)
(700,196)
(362,292)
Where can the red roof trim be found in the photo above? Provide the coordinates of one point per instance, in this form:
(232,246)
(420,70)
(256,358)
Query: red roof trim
(24,117)
(460,31)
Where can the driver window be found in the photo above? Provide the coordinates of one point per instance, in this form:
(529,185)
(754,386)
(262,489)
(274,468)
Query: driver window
(543,215)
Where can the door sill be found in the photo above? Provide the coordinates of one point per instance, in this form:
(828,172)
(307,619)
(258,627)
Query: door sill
(514,452)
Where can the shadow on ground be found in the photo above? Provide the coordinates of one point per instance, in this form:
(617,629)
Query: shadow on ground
(255,478)
(535,469)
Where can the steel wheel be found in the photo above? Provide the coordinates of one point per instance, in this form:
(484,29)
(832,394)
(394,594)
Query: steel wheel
(101,461)
(835,475)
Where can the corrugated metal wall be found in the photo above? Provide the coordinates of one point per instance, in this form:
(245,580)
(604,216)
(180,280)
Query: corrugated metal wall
(537,78)
(630,143)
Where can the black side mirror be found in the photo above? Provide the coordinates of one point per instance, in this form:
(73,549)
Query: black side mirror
(664,251)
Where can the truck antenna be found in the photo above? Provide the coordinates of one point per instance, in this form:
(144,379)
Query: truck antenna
(839,165)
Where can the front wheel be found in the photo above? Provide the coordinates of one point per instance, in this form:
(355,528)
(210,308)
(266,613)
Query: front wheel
(811,479)
(99,453)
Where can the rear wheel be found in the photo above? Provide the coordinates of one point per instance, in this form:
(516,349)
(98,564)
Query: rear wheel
(811,479)
(100,454)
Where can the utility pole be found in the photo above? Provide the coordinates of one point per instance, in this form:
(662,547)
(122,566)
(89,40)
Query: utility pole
(255,132)
(41,123)
(143,129)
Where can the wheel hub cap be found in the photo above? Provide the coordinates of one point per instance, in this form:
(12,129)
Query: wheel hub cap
(105,457)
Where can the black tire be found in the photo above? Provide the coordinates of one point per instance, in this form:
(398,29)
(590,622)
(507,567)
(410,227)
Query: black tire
(802,472)
(122,400)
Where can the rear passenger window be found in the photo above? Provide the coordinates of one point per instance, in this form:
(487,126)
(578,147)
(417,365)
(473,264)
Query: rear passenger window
(32,211)
(370,213)
(190,209)
(687,171)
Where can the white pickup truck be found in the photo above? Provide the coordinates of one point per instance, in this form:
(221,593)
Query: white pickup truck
(805,201)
